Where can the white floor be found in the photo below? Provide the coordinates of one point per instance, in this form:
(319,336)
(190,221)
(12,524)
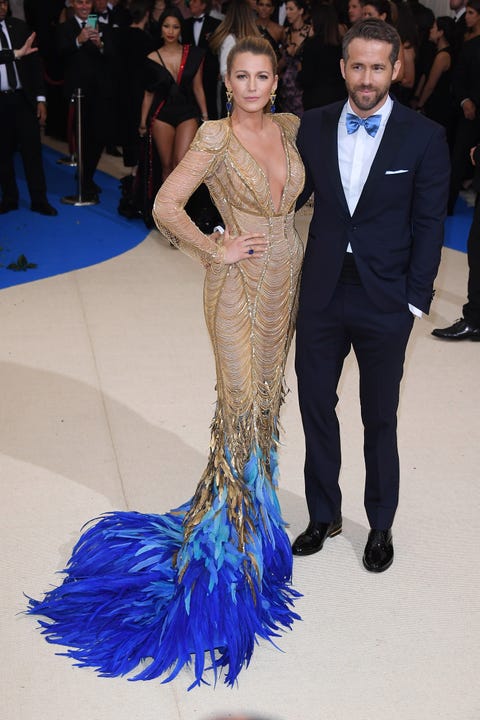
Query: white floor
(107,389)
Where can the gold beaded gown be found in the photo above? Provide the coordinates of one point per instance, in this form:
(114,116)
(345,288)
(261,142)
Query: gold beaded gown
(205,581)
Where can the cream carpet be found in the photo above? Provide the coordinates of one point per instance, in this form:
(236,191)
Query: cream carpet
(107,393)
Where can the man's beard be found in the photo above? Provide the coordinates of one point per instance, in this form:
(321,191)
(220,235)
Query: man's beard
(376,98)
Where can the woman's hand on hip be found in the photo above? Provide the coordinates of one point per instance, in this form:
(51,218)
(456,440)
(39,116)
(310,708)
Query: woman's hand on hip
(243,247)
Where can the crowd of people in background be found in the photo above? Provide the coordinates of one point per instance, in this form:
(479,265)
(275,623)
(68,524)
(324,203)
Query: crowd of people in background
(152,70)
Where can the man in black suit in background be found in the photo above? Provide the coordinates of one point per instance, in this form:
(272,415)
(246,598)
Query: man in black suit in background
(466,96)
(22,111)
(103,12)
(43,17)
(198,30)
(468,326)
(88,57)
(459,7)
(379,172)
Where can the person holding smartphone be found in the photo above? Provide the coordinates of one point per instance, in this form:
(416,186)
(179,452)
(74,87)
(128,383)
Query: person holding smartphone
(89,64)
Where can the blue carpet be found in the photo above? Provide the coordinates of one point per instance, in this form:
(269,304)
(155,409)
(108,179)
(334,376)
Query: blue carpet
(457,226)
(83,236)
(76,238)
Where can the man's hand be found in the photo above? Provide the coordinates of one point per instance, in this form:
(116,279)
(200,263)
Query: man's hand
(88,33)
(27,48)
(42,113)
(472,153)
(469,109)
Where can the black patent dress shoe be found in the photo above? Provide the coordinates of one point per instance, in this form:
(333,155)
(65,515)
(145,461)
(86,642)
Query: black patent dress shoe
(378,555)
(460,330)
(311,541)
(44,208)
(7,206)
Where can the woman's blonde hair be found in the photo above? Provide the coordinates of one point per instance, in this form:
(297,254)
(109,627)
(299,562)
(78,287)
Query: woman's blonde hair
(239,21)
(254,45)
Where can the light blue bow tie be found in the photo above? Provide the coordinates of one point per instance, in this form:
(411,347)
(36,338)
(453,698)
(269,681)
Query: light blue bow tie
(371,124)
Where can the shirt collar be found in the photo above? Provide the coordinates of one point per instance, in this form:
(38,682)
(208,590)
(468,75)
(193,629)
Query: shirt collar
(384,111)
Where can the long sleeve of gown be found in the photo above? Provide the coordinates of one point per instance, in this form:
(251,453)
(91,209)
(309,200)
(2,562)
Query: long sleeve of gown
(206,583)
(168,210)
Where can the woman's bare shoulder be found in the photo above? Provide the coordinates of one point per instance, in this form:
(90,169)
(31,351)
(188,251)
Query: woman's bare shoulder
(154,57)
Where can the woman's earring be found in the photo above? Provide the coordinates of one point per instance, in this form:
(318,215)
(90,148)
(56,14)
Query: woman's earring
(229,103)
(272,102)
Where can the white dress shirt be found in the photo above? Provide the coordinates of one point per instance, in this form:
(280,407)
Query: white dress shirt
(197,29)
(225,48)
(356,153)
(3,70)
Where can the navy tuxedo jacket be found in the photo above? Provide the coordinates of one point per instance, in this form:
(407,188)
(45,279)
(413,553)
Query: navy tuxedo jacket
(29,67)
(396,230)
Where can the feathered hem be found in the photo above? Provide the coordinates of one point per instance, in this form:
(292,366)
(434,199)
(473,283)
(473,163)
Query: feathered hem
(139,592)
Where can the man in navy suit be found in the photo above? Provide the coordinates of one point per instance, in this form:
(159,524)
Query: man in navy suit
(22,112)
(380,174)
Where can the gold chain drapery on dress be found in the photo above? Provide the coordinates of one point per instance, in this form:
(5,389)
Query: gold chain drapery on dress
(207,580)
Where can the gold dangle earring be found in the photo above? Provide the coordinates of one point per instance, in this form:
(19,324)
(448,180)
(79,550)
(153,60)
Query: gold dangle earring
(229,103)
(272,101)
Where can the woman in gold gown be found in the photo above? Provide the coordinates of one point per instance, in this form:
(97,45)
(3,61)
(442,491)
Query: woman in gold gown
(214,575)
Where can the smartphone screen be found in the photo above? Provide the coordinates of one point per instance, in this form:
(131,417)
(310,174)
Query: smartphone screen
(92,21)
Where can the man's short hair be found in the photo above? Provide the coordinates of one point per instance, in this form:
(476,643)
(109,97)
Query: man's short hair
(373,29)
(208,6)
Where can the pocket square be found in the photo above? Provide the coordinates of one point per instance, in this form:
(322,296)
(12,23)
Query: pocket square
(395,172)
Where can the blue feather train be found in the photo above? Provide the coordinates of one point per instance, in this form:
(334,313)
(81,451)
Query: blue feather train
(139,592)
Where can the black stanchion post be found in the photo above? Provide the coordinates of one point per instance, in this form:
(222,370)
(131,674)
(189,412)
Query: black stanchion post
(70,159)
(78,199)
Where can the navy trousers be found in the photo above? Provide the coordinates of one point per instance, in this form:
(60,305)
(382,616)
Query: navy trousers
(379,340)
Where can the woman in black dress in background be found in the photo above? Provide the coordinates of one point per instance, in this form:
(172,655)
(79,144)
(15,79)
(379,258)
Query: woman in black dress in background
(270,30)
(435,95)
(320,76)
(173,103)
(299,28)
(133,44)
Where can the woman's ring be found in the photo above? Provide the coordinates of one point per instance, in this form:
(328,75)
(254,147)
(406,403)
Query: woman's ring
(251,251)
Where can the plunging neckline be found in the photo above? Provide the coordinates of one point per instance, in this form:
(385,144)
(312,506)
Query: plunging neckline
(165,66)
(276,211)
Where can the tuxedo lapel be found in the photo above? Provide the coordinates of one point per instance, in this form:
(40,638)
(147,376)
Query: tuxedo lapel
(203,34)
(393,138)
(329,151)
(12,32)
(208,28)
